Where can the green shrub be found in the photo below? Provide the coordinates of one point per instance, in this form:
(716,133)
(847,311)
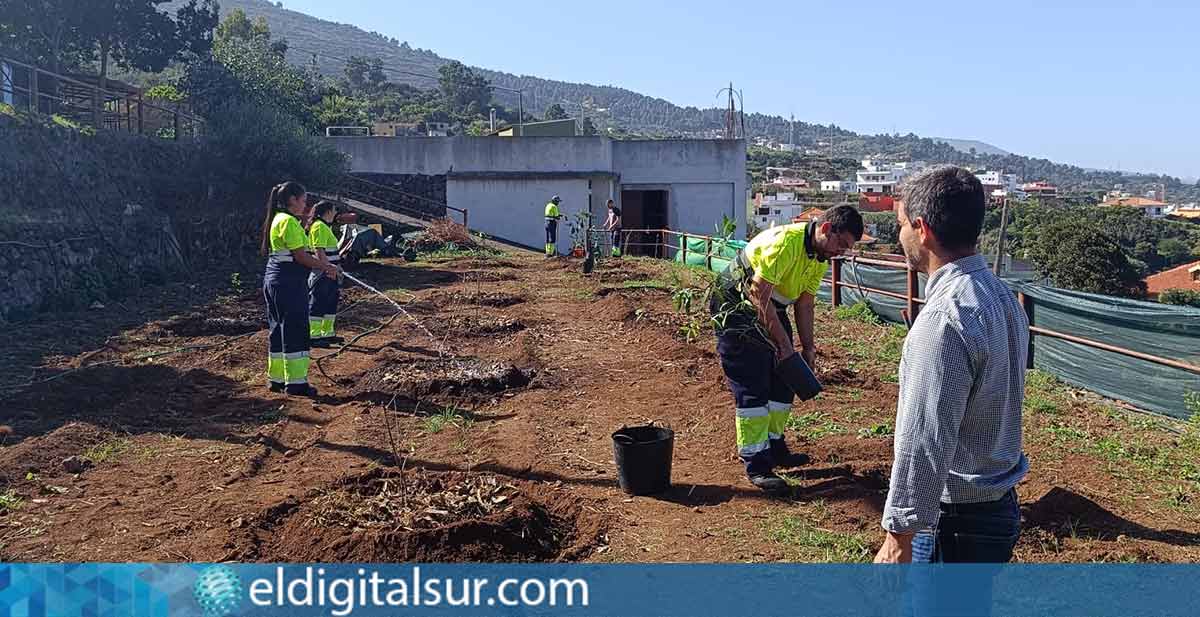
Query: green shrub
(1180,297)
(859,311)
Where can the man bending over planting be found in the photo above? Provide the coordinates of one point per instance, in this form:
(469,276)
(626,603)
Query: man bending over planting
(782,266)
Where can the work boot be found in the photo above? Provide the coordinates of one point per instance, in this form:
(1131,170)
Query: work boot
(303,389)
(334,340)
(275,386)
(319,343)
(770,483)
(781,456)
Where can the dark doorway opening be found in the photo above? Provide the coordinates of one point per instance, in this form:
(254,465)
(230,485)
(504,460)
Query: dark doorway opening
(644,213)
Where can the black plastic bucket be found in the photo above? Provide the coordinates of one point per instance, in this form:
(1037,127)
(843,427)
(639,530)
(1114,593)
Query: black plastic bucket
(794,371)
(643,457)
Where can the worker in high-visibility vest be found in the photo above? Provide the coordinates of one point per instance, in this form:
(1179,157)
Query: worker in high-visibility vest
(552,216)
(323,291)
(285,287)
(780,267)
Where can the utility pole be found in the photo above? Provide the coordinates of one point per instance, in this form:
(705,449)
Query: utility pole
(1000,240)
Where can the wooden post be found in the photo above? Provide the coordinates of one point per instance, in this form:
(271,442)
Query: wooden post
(708,253)
(141,118)
(465,220)
(33,91)
(1027,304)
(683,248)
(912,290)
(836,283)
(128,115)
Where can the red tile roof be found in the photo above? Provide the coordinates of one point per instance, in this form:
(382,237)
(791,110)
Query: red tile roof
(1179,277)
(808,215)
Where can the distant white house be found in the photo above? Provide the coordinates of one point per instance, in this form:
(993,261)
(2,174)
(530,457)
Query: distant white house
(1040,189)
(437,129)
(880,176)
(778,209)
(994,180)
(1151,208)
(790,182)
(1000,186)
(839,186)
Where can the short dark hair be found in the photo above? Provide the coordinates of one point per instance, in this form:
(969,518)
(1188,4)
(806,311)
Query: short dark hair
(843,219)
(951,201)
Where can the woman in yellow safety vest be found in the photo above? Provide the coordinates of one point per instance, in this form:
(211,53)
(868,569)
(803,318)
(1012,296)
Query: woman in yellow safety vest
(285,287)
(323,291)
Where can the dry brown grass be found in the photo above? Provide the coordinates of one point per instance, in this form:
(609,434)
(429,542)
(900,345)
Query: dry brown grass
(445,231)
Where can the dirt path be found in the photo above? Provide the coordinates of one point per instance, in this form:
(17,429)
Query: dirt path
(503,451)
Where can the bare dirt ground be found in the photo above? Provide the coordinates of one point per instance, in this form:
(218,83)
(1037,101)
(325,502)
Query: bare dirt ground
(484,434)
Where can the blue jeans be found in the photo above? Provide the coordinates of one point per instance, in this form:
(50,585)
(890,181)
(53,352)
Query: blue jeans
(972,533)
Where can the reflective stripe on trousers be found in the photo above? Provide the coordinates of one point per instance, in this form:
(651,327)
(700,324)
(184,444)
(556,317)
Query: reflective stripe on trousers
(753,424)
(324,294)
(286,296)
(780,414)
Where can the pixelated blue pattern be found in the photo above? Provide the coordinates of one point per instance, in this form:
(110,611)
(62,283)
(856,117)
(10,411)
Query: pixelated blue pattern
(97,590)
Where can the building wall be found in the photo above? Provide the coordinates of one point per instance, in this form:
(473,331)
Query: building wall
(514,209)
(705,178)
(439,155)
(691,207)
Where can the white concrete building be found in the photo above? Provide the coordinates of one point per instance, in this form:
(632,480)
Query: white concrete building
(839,186)
(778,209)
(683,185)
(994,180)
(879,176)
(790,182)
(1040,189)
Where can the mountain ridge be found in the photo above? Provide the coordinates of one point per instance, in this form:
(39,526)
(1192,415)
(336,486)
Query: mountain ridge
(613,106)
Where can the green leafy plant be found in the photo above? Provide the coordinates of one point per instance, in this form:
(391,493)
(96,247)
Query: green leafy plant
(9,501)
(691,330)
(1180,297)
(683,298)
(815,425)
(882,429)
(448,417)
(1191,400)
(235,282)
(726,228)
(859,311)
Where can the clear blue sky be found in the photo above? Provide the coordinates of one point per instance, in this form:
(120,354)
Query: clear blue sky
(1099,84)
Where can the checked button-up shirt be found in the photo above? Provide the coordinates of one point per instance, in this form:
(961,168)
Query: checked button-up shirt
(962,380)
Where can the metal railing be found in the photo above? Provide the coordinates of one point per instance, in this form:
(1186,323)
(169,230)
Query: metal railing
(347,188)
(658,246)
(90,105)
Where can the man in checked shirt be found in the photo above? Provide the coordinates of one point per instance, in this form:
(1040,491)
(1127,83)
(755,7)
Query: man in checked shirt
(962,379)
